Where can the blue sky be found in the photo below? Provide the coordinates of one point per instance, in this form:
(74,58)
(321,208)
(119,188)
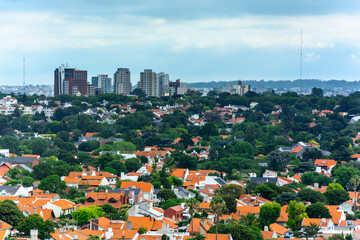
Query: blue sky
(198,40)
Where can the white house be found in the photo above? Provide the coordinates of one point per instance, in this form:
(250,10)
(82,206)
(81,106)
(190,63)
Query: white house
(60,207)
(270,174)
(13,191)
(4,152)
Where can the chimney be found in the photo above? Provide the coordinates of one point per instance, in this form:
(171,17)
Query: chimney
(323,220)
(33,234)
(75,237)
(266,228)
(109,233)
(316,185)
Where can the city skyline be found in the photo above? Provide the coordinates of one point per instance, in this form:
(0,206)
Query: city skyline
(193,41)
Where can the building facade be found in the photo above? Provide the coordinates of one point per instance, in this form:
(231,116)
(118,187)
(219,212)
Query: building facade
(162,80)
(122,81)
(148,82)
(70,81)
(104,83)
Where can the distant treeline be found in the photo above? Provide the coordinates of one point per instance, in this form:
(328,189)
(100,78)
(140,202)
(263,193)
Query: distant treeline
(283,84)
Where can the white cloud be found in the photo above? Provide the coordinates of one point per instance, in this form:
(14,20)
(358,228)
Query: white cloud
(42,31)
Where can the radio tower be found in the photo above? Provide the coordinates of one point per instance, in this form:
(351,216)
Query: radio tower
(301,61)
(24,71)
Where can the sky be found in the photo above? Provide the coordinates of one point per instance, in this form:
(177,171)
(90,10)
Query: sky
(196,41)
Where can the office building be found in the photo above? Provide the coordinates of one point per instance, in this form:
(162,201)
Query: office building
(175,88)
(95,81)
(69,80)
(104,83)
(122,81)
(239,89)
(148,82)
(162,80)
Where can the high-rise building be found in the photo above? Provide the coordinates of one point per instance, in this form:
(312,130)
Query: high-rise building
(148,82)
(104,83)
(69,80)
(95,81)
(122,81)
(162,80)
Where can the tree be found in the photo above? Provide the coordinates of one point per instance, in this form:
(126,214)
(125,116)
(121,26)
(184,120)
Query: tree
(336,196)
(192,204)
(314,177)
(309,195)
(238,231)
(166,194)
(218,207)
(84,214)
(35,221)
(10,213)
(266,192)
(285,197)
(344,174)
(317,210)
(269,212)
(317,92)
(132,164)
(336,236)
(52,184)
(278,160)
(186,140)
(209,129)
(310,231)
(234,190)
(355,181)
(230,202)
(296,214)
(139,92)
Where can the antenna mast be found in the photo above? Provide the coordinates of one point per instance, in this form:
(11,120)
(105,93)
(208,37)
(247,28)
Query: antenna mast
(24,71)
(301,60)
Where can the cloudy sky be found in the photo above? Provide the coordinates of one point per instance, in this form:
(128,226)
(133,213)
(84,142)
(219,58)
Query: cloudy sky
(195,40)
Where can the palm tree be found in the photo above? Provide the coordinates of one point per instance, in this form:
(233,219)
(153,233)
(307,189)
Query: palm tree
(218,207)
(249,220)
(355,180)
(192,204)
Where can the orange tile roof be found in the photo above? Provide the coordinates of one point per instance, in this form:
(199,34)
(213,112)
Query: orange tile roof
(279,229)
(144,186)
(317,221)
(212,236)
(64,204)
(325,162)
(145,222)
(283,215)
(2,234)
(4,225)
(267,234)
(71,180)
(244,210)
(297,149)
(179,172)
(127,233)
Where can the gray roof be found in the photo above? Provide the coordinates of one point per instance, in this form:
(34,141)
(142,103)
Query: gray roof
(183,193)
(220,181)
(126,190)
(262,180)
(19,160)
(11,190)
(24,166)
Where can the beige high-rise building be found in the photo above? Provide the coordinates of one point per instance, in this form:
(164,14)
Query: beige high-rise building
(148,82)
(122,81)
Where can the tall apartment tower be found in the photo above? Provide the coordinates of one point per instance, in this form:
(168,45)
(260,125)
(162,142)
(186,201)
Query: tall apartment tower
(104,83)
(162,80)
(122,81)
(148,82)
(69,80)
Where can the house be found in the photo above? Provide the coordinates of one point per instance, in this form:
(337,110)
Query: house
(135,194)
(71,182)
(147,188)
(181,192)
(4,167)
(324,166)
(60,207)
(268,235)
(212,180)
(13,191)
(5,230)
(175,212)
(200,225)
(251,200)
(4,153)
(280,230)
(323,223)
(33,161)
(94,181)
(101,198)
(270,174)
(145,209)
(181,173)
